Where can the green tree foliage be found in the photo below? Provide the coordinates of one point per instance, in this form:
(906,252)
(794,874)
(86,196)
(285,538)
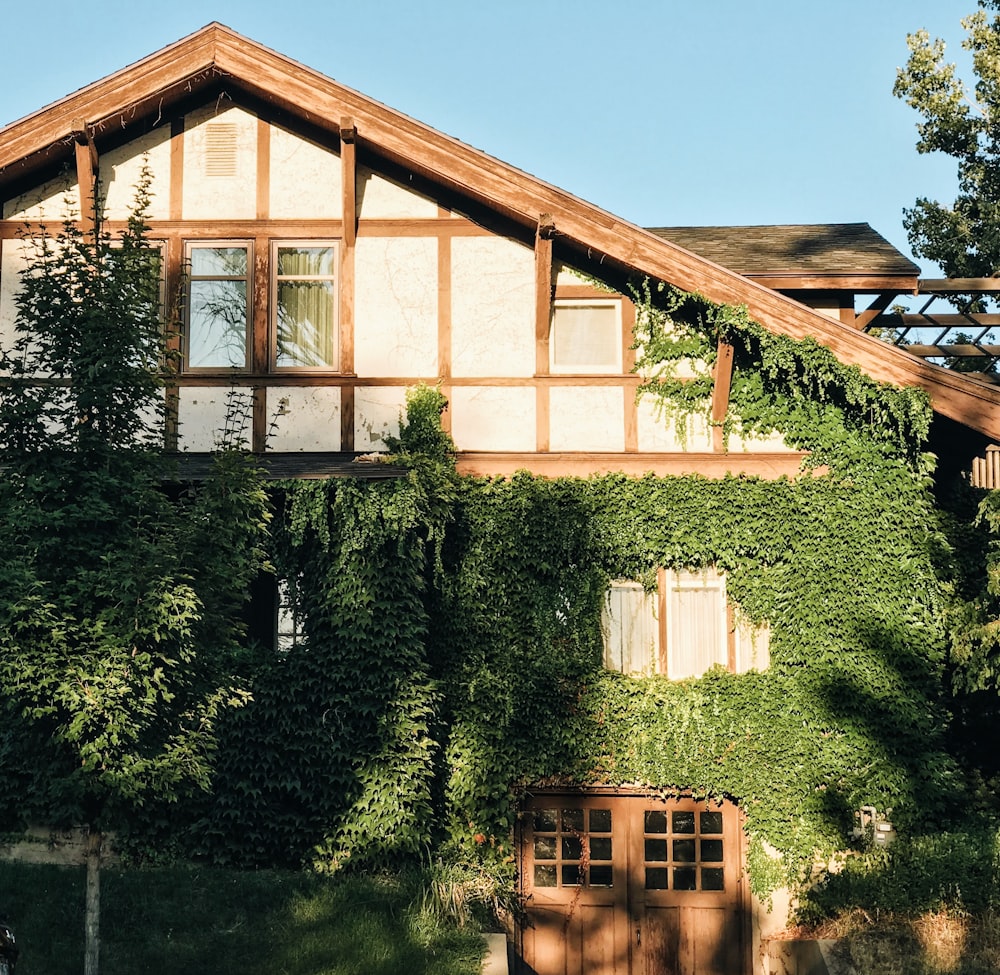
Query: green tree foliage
(964,122)
(120,597)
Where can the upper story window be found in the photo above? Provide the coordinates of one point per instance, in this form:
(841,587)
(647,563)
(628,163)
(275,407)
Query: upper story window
(586,336)
(218,305)
(305,305)
(301,325)
(682,630)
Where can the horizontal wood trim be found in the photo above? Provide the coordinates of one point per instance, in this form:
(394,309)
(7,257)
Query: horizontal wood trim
(961,350)
(930,320)
(958,285)
(768,466)
(234,229)
(835,282)
(584,291)
(295,378)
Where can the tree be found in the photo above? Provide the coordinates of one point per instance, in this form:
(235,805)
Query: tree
(963,122)
(120,595)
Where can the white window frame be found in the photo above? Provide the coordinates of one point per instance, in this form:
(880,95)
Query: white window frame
(591,368)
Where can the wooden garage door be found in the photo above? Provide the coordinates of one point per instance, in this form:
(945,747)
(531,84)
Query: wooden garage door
(632,885)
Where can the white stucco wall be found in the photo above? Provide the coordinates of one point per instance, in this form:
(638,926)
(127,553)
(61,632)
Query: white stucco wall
(201,412)
(493,417)
(121,168)
(11,264)
(396,307)
(303,418)
(52,201)
(658,431)
(220,197)
(586,418)
(493,307)
(306,179)
(377,411)
(381,199)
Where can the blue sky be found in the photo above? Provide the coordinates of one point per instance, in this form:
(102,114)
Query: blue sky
(666,113)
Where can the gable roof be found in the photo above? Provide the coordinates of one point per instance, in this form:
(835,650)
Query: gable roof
(138,96)
(834,250)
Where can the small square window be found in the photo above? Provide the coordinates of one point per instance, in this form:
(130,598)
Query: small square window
(586,336)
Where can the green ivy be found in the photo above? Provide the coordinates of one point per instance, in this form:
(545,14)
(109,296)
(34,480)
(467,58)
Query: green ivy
(453,655)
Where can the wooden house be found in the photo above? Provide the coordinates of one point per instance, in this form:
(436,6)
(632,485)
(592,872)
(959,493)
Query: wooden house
(354,253)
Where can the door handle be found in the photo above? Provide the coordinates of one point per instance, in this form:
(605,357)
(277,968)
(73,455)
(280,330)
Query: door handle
(638,935)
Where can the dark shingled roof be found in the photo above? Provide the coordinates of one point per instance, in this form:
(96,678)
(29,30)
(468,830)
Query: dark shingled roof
(789,249)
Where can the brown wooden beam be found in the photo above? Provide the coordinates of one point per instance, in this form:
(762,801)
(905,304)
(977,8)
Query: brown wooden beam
(86,172)
(349,223)
(348,163)
(879,305)
(720,392)
(930,320)
(543,292)
(958,285)
(768,466)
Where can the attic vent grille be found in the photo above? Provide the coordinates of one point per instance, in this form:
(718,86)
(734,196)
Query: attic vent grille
(220,149)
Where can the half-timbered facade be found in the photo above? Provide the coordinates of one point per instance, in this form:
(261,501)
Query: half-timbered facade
(323,253)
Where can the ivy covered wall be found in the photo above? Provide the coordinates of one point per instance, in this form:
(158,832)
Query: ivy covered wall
(452,657)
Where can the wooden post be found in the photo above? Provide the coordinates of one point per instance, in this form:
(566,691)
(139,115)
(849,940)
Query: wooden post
(86,173)
(349,216)
(720,393)
(543,292)
(92,917)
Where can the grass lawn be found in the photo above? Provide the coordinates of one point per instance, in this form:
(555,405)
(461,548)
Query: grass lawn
(195,920)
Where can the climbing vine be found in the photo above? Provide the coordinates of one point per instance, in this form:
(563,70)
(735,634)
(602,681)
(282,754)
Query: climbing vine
(451,658)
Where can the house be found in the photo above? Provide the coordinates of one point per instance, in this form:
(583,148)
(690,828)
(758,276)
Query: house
(330,253)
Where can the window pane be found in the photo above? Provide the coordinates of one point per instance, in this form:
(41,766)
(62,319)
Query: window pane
(572,847)
(546,820)
(711,851)
(655,851)
(216,262)
(685,878)
(586,336)
(545,847)
(300,261)
(682,822)
(600,848)
(713,878)
(655,821)
(573,820)
(306,323)
(217,327)
(684,851)
(656,878)
(628,625)
(545,876)
(600,820)
(601,876)
(570,876)
(711,822)
(306,306)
